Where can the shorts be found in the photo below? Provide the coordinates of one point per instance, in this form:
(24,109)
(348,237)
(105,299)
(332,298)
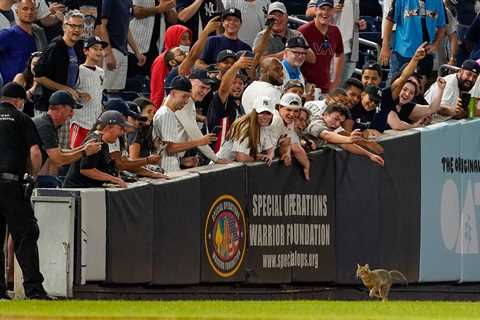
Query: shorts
(77,135)
(116,79)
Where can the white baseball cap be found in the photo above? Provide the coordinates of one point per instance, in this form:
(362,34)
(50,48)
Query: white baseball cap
(262,104)
(291,100)
(277,6)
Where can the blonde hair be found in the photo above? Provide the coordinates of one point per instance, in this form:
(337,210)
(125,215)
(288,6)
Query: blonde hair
(246,127)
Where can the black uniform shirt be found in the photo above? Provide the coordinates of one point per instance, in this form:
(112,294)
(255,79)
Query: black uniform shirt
(17,136)
(100,160)
(48,133)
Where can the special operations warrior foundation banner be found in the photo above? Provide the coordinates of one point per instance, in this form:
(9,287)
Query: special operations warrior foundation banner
(291,230)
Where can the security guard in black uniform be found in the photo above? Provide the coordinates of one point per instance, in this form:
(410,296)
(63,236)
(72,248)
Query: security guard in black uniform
(19,142)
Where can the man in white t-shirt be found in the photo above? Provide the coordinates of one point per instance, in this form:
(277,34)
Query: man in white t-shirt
(268,84)
(462,81)
(165,125)
(283,131)
(254,14)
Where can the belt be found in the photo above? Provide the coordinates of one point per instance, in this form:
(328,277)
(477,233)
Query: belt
(9,176)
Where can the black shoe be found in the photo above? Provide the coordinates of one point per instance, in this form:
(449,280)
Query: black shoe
(41,296)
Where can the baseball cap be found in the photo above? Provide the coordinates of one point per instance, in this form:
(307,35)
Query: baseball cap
(297,42)
(91,41)
(234,12)
(180,83)
(136,108)
(113,117)
(374,93)
(13,90)
(277,6)
(202,75)
(63,97)
(471,65)
(248,54)
(224,54)
(262,104)
(121,106)
(291,100)
(293,84)
(321,3)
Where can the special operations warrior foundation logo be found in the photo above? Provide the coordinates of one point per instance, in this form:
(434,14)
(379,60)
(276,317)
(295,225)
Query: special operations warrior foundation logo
(225,236)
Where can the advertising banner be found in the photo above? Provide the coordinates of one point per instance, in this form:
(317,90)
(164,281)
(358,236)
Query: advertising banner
(129,235)
(223,223)
(441,199)
(291,222)
(176,231)
(378,210)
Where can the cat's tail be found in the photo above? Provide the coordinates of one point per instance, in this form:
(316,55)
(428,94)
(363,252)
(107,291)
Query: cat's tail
(397,275)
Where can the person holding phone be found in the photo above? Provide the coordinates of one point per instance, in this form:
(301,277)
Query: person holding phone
(462,81)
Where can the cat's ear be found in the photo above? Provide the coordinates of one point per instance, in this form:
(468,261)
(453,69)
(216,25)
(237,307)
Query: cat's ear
(367,266)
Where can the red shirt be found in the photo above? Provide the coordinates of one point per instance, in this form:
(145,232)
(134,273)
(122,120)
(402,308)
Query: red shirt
(319,73)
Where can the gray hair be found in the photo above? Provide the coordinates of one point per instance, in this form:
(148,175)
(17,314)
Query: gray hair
(73,14)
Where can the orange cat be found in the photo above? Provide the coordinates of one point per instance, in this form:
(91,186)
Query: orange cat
(378,281)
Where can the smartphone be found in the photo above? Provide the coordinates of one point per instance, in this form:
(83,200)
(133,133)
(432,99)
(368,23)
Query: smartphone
(99,138)
(217,129)
(465,96)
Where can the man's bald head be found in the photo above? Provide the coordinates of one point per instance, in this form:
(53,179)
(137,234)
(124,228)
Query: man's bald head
(271,70)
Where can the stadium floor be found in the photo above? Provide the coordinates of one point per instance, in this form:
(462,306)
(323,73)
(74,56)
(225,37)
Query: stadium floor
(423,292)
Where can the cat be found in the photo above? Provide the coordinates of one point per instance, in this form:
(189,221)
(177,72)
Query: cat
(378,281)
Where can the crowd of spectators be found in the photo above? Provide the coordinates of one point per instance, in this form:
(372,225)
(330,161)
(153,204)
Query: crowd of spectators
(142,88)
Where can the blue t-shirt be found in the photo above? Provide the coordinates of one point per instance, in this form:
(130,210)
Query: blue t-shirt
(216,44)
(118,13)
(406,14)
(16,46)
(72,67)
(293,74)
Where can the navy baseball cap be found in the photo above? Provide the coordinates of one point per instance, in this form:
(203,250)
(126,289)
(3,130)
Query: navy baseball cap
(113,117)
(224,54)
(471,65)
(93,41)
(321,3)
(234,12)
(180,83)
(297,42)
(121,106)
(63,97)
(13,90)
(202,75)
(374,93)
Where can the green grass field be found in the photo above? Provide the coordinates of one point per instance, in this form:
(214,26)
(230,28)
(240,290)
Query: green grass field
(238,310)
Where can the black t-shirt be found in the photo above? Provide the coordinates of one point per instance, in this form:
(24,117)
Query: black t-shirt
(48,133)
(374,119)
(218,110)
(17,136)
(404,113)
(205,13)
(143,136)
(101,161)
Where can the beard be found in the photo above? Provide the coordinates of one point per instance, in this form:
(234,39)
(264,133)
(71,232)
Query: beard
(465,85)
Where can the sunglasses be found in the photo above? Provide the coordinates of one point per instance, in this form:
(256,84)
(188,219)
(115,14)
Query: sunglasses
(326,43)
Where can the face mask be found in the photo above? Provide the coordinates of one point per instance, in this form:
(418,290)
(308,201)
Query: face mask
(185,49)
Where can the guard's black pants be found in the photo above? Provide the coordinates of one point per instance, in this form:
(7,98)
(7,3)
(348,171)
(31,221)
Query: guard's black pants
(17,213)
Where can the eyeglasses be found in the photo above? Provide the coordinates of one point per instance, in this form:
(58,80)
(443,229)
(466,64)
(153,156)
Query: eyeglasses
(75,26)
(298,53)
